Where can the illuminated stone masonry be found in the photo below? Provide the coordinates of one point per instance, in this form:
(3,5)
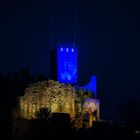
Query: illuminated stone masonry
(58,97)
(49,94)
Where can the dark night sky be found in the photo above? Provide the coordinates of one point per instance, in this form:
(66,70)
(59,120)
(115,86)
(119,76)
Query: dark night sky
(107,35)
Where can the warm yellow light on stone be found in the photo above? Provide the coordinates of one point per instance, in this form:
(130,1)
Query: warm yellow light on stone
(50,94)
(58,98)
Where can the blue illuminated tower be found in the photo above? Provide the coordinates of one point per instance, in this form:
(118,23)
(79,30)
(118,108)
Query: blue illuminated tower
(64,67)
(91,86)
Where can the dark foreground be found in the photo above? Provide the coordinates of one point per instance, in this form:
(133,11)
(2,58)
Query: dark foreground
(41,129)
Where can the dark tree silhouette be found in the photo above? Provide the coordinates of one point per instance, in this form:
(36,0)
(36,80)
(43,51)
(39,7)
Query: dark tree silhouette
(131,113)
(43,114)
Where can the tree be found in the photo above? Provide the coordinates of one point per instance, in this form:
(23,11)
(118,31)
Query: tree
(131,113)
(43,114)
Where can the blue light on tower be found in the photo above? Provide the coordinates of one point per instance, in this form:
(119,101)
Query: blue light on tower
(67,49)
(91,86)
(61,49)
(72,50)
(67,65)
